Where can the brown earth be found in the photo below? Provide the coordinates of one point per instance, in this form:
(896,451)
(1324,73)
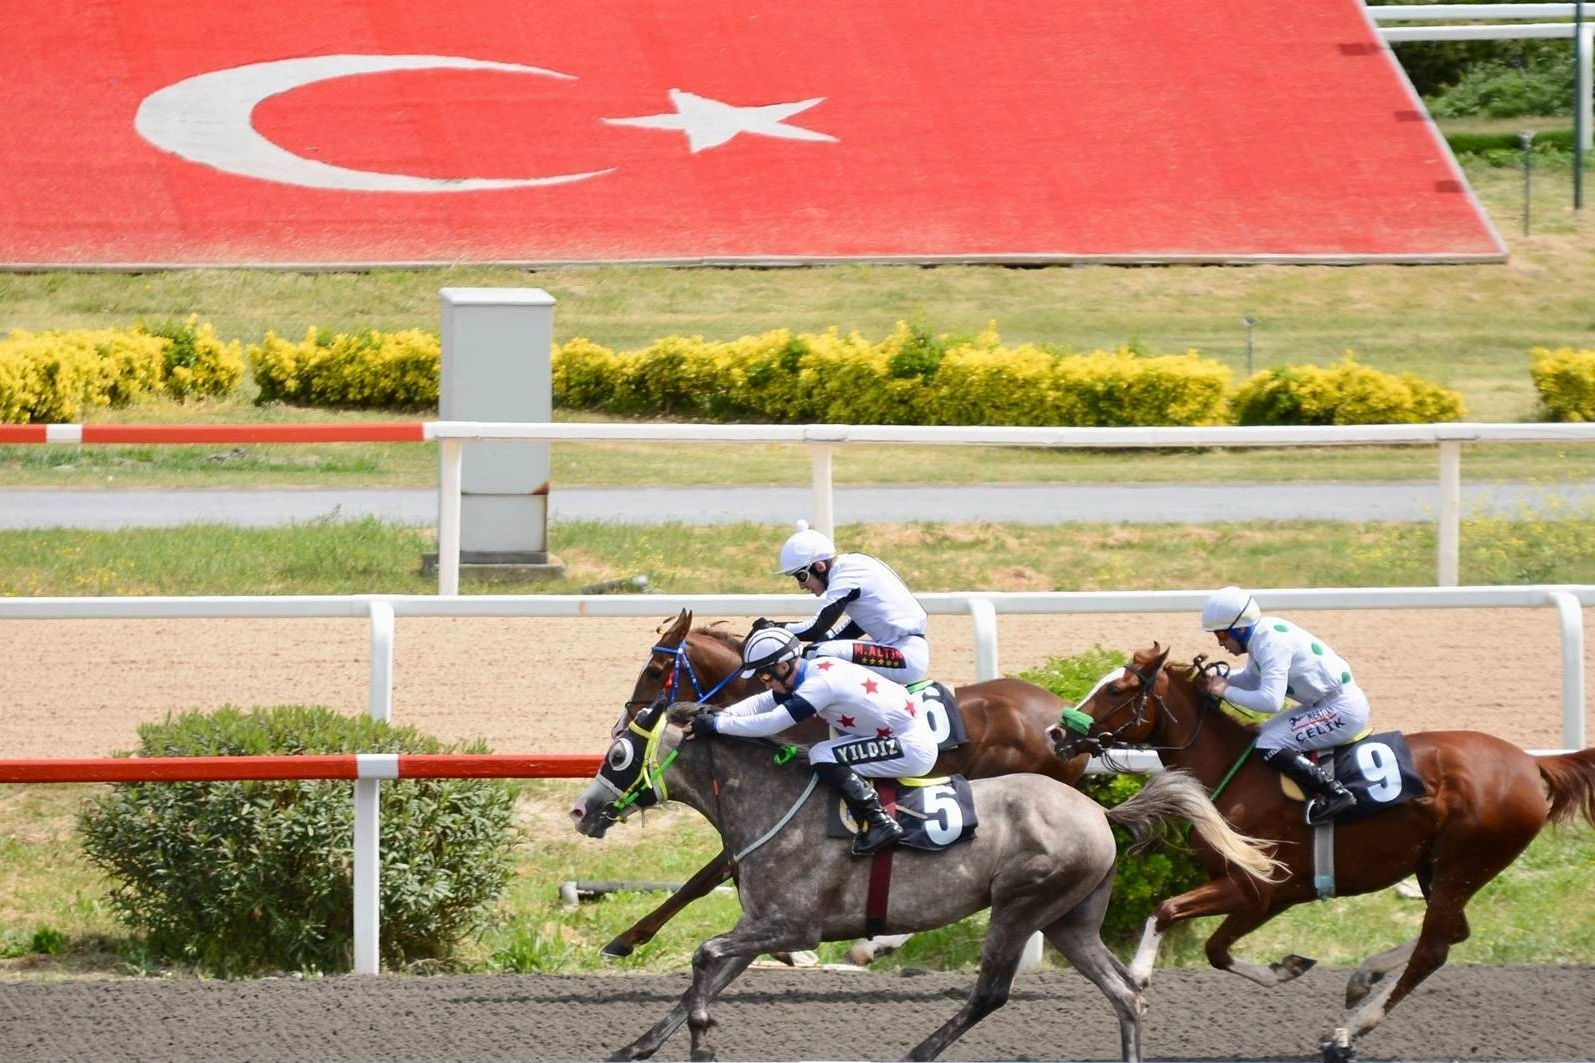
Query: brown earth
(1473,1013)
(79,688)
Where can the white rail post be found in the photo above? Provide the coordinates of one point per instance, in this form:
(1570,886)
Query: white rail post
(1571,615)
(368,804)
(1450,510)
(450,459)
(824,498)
(985,617)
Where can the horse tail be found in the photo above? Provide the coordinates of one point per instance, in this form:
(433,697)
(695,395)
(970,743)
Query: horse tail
(1570,780)
(1176,794)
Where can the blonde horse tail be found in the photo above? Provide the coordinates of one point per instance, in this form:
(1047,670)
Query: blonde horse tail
(1176,794)
(1570,784)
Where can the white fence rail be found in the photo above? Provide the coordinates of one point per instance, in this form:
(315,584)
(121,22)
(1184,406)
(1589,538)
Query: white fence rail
(822,439)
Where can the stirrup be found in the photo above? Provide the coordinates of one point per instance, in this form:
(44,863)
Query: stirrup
(1322,809)
(882,835)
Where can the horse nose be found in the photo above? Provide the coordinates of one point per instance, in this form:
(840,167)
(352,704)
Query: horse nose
(577,812)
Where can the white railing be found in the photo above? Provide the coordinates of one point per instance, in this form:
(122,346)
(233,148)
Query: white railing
(1583,47)
(381,610)
(822,439)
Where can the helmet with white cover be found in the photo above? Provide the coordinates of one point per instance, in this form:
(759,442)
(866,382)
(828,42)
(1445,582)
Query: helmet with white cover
(803,548)
(1229,608)
(767,648)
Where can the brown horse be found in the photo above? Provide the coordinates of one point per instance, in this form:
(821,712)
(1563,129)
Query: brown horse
(1006,721)
(1486,800)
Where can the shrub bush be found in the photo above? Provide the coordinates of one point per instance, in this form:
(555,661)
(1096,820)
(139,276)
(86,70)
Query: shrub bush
(1565,380)
(1346,393)
(1146,880)
(362,370)
(241,878)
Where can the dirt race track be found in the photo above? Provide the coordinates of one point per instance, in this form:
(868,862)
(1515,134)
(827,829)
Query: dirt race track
(1462,1014)
(81,687)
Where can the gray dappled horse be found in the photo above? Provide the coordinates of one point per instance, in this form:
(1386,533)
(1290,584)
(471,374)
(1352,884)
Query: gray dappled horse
(1042,859)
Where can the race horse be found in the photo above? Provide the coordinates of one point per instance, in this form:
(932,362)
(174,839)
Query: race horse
(1041,858)
(1486,800)
(1006,722)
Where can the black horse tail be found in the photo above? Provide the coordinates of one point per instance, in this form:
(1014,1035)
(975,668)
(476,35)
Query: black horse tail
(1570,779)
(1177,795)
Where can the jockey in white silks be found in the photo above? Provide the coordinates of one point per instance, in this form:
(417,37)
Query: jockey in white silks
(885,624)
(879,731)
(1326,707)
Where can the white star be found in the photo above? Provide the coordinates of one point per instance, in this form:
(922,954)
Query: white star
(710,123)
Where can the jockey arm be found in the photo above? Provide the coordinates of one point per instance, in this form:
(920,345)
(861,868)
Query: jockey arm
(761,715)
(1261,687)
(818,627)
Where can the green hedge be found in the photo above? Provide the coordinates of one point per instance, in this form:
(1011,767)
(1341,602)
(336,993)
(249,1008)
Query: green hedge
(242,878)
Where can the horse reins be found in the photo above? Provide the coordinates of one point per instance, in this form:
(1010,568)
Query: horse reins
(683,665)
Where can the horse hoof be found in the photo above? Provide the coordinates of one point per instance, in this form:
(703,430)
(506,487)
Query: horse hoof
(1293,966)
(1357,989)
(615,950)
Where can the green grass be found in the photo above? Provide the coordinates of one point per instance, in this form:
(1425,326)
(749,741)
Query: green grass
(367,557)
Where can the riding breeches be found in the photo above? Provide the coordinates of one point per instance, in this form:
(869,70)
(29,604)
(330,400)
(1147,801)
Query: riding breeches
(879,758)
(1331,722)
(906,661)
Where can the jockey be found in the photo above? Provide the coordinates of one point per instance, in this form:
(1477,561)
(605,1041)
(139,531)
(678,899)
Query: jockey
(885,629)
(1284,660)
(880,732)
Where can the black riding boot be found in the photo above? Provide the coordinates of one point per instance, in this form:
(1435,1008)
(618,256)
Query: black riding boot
(880,829)
(1329,796)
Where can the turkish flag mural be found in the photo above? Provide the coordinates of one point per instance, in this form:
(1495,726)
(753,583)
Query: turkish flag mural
(393,131)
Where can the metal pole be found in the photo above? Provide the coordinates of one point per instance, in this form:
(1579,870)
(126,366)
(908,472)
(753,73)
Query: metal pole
(1527,139)
(1251,322)
(1581,92)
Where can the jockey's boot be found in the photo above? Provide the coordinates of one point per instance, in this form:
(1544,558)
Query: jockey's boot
(1329,796)
(880,829)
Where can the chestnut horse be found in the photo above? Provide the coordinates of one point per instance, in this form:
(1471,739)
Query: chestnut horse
(1006,721)
(1487,799)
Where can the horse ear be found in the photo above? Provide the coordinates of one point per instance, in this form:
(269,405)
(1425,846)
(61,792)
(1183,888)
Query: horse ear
(1160,652)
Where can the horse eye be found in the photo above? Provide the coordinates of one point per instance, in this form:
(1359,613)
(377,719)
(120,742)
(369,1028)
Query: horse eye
(620,756)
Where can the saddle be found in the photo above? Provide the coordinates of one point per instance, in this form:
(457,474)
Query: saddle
(939,705)
(1377,768)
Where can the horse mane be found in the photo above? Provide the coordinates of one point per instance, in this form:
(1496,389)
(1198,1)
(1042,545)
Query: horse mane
(718,633)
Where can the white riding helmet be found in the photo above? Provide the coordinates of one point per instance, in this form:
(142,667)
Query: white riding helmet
(1228,608)
(767,648)
(805,547)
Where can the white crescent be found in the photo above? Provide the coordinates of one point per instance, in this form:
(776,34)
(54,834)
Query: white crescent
(206,119)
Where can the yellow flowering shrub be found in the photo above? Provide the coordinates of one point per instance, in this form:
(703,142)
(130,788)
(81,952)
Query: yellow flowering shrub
(196,362)
(49,377)
(362,370)
(1565,380)
(1345,393)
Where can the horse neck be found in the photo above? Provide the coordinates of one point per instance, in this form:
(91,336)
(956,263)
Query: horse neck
(1205,743)
(735,784)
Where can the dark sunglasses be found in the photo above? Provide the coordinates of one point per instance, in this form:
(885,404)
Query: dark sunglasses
(764,677)
(801,575)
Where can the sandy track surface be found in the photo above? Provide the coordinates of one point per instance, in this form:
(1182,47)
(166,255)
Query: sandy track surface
(1476,1013)
(79,688)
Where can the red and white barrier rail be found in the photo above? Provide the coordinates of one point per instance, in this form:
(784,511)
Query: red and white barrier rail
(366,432)
(350,766)
(366,770)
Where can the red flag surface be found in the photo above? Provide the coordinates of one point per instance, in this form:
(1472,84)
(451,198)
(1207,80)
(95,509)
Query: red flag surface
(370,131)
